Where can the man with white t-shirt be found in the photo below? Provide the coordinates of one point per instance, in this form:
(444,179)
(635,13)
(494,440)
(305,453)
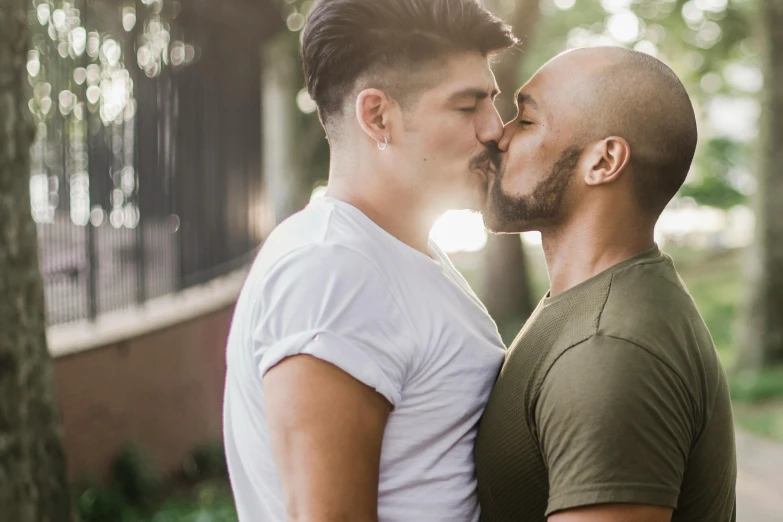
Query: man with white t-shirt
(359,360)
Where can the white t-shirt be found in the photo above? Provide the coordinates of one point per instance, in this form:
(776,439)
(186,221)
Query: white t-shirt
(331,283)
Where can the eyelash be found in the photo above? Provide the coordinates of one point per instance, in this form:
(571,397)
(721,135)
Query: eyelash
(525,122)
(469,109)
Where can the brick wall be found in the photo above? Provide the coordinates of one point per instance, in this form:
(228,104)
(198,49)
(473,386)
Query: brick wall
(162,391)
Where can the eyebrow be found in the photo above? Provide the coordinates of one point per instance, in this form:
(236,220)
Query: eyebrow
(471,92)
(526,99)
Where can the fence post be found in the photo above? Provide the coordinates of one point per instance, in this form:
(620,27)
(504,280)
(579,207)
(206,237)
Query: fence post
(92,308)
(139,250)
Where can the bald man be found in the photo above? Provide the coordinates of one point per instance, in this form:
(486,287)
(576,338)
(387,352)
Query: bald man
(612,404)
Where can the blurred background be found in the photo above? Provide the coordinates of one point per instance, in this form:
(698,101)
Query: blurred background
(171,137)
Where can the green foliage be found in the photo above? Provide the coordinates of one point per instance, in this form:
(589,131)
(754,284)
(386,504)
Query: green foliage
(717,161)
(713,191)
(212,502)
(764,385)
(762,418)
(98,503)
(135,486)
(136,478)
(136,491)
(206,462)
(715,282)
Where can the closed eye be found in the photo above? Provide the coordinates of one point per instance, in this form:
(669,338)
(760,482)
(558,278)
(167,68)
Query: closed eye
(468,109)
(525,122)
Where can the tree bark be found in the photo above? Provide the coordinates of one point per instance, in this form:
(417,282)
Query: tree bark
(761,340)
(507,292)
(33,483)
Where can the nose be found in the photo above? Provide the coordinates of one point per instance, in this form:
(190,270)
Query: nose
(506,137)
(490,128)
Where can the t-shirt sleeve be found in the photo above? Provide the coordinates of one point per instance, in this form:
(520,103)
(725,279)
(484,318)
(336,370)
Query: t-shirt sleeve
(333,303)
(615,425)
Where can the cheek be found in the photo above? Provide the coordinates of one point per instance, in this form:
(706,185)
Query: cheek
(450,141)
(525,165)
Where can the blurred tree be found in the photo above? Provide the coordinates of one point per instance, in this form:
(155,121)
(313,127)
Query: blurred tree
(717,159)
(32,463)
(507,292)
(304,162)
(761,340)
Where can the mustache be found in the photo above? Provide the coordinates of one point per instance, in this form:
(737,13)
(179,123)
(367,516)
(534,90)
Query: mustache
(490,159)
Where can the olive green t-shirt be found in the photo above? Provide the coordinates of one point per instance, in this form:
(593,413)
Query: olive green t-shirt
(612,393)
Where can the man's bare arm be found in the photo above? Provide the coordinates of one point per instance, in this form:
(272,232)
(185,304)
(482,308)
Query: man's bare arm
(326,430)
(614,513)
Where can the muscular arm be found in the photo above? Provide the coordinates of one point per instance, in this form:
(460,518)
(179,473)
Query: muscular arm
(614,513)
(326,430)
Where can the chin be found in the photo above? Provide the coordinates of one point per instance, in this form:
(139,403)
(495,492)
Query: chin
(473,199)
(497,225)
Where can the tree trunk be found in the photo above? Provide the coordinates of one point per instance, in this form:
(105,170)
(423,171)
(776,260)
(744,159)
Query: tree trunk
(507,292)
(762,333)
(33,484)
(290,140)
(282,177)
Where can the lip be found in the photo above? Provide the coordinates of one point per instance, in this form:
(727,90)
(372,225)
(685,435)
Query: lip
(482,174)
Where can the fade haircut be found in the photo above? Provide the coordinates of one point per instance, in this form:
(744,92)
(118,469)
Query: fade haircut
(389,45)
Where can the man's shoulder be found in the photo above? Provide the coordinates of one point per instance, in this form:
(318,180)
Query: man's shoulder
(650,282)
(648,305)
(316,239)
(318,263)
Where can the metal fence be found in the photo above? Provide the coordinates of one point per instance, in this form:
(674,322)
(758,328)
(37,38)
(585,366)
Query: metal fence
(145,171)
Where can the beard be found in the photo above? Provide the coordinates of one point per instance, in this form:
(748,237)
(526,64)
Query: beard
(521,213)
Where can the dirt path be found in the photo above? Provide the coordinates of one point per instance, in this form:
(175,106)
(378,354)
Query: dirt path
(759,479)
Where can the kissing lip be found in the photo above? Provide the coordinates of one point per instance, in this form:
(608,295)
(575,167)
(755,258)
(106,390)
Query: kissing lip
(488,163)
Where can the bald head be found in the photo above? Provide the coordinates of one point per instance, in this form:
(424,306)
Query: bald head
(619,92)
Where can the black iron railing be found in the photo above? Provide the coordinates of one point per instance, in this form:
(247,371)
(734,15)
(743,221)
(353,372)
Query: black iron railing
(146,169)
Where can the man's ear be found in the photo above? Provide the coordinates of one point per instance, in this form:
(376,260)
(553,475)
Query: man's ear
(373,112)
(607,160)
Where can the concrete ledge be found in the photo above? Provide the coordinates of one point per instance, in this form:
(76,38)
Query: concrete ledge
(156,314)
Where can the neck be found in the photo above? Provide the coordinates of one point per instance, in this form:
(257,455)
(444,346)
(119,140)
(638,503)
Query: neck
(396,210)
(575,252)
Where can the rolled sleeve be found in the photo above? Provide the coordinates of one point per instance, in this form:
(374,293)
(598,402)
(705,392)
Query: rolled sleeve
(356,361)
(333,303)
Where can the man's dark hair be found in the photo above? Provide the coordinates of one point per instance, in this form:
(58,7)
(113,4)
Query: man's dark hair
(386,40)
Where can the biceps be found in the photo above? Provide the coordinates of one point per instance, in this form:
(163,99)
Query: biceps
(614,513)
(326,430)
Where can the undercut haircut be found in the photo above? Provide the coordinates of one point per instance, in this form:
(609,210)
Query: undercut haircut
(389,44)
